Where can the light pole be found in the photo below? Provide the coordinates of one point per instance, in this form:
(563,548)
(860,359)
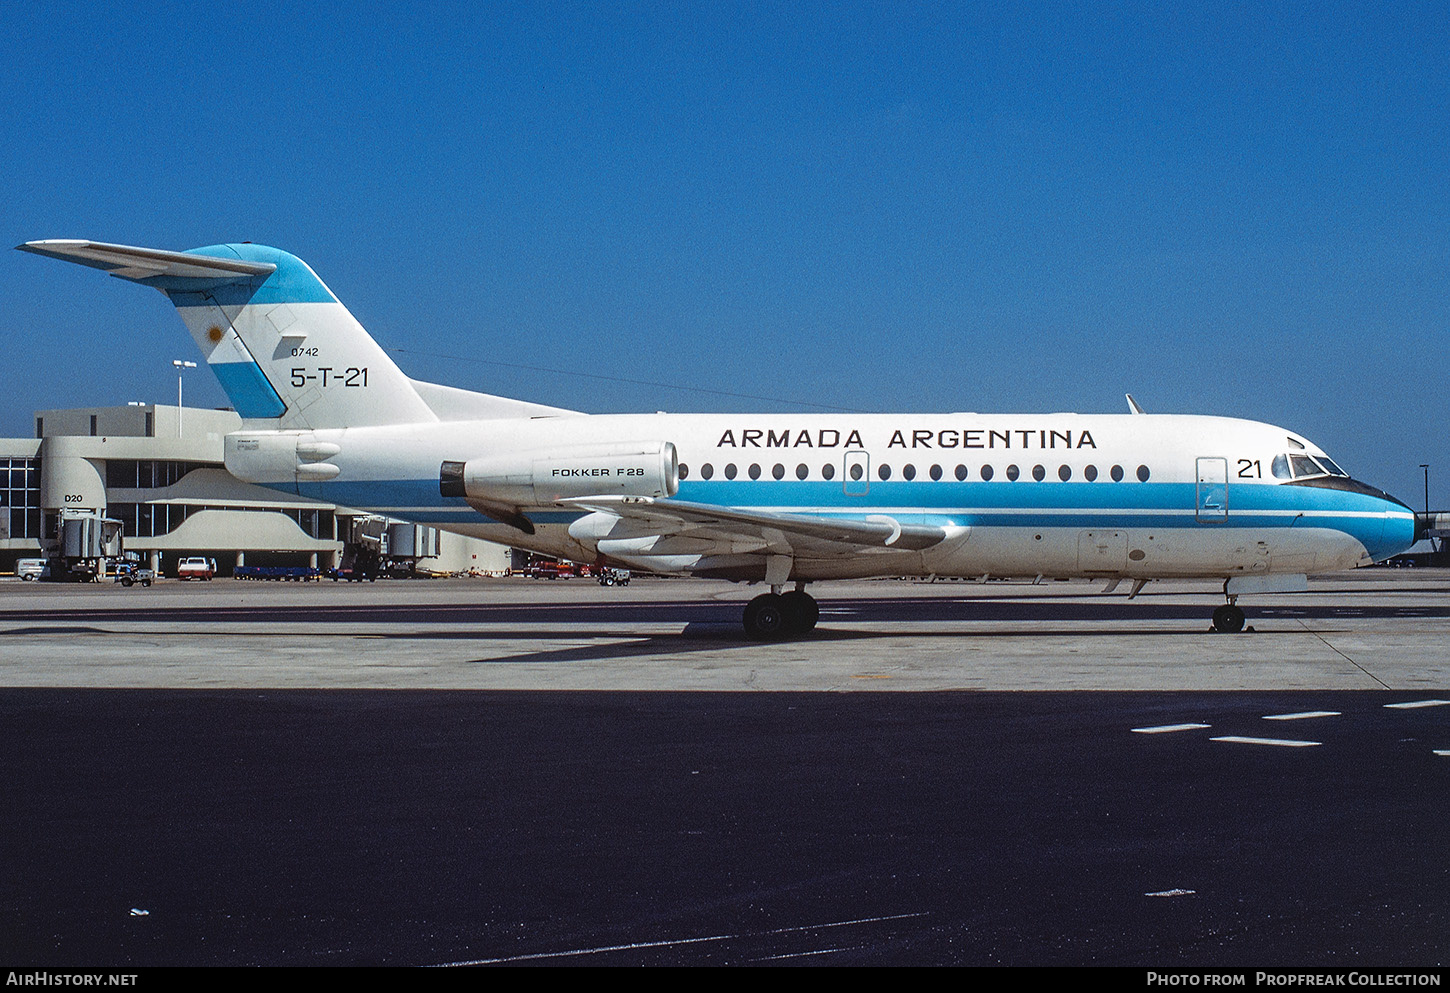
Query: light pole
(181,366)
(1428,522)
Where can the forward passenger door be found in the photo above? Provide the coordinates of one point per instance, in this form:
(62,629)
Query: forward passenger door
(1212,491)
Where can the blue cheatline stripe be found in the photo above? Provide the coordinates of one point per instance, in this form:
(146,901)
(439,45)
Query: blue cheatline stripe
(1142,501)
(997,504)
(248,389)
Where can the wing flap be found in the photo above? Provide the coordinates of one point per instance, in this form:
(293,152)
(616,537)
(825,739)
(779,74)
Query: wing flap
(800,531)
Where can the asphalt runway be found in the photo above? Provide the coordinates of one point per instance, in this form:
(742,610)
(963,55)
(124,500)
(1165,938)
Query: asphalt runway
(505,772)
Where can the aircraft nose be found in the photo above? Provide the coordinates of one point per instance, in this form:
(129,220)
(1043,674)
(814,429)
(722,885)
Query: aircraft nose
(1401,530)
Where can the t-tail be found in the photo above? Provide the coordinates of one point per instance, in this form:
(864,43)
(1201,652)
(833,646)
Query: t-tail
(285,350)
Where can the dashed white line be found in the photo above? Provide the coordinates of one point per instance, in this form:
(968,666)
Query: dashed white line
(1284,742)
(1419,703)
(1302,716)
(1162,728)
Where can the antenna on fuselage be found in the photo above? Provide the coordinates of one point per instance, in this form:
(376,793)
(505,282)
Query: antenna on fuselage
(1133,404)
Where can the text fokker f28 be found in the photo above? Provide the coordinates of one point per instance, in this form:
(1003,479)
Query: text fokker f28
(783,499)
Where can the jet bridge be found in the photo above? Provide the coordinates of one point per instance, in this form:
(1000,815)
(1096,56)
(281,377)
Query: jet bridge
(375,546)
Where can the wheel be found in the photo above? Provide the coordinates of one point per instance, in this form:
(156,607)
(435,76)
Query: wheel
(765,618)
(126,582)
(145,582)
(801,611)
(1228,619)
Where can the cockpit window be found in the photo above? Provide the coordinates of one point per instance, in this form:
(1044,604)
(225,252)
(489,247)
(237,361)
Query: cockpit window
(1301,466)
(1305,466)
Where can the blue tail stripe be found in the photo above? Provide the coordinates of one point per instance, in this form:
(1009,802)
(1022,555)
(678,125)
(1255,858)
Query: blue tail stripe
(248,389)
(291,282)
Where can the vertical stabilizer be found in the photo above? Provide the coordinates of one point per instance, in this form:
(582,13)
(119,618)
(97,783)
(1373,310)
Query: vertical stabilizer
(282,346)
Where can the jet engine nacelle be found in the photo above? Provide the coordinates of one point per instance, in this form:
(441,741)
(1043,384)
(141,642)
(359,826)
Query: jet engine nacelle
(538,478)
(279,457)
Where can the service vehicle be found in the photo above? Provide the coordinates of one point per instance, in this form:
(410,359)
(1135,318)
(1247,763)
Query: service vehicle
(196,568)
(32,569)
(130,573)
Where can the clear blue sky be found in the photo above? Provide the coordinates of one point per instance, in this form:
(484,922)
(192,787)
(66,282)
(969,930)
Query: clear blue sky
(879,207)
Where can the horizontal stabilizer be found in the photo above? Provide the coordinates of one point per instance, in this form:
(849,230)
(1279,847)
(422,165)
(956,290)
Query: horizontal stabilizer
(143,264)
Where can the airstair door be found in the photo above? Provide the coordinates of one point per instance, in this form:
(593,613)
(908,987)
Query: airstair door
(1212,492)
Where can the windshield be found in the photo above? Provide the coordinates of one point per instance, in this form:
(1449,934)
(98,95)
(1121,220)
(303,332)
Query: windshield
(1300,466)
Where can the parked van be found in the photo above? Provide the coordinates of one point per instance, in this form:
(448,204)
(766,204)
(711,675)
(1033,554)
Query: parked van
(33,569)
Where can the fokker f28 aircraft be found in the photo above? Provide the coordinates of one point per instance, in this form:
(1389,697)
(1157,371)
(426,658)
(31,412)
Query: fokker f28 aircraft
(776,498)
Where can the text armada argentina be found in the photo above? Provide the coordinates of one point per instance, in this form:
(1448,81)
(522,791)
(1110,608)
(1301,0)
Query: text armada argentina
(990,438)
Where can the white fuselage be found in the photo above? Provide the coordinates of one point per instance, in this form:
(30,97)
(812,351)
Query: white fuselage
(1141,496)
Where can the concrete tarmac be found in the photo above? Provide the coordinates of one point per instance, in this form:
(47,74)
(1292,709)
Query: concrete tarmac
(1373,629)
(473,772)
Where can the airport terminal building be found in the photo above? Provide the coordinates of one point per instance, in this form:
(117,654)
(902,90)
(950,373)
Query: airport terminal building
(158,471)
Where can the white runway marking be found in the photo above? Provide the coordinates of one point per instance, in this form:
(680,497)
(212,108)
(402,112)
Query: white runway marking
(1162,728)
(1285,742)
(1300,717)
(1418,703)
(675,941)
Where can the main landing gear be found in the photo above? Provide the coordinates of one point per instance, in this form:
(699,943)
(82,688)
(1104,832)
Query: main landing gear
(773,616)
(1228,618)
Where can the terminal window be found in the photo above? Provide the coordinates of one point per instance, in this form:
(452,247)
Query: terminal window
(20,496)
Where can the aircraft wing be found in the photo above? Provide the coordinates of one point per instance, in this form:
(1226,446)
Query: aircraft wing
(800,533)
